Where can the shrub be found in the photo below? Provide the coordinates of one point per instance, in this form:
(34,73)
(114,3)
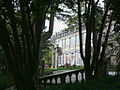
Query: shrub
(67,65)
(48,71)
(3,82)
(74,66)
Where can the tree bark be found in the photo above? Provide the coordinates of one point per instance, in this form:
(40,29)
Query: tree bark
(22,51)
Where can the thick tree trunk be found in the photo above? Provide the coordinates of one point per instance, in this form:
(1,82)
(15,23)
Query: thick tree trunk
(23,81)
(88,74)
(25,85)
(102,70)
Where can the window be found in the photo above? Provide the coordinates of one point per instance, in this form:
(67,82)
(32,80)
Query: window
(66,58)
(67,43)
(72,41)
(77,40)
(64,43)
(83,37)
(59,60)
(72,58)
(57,42)
(60,43)
(78,59)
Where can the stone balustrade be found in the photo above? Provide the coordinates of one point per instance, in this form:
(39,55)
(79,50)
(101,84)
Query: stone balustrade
(48,80)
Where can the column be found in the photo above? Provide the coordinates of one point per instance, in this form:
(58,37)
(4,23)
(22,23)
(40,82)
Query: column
(75,49)
(63,59)
(53,60)
(75,59)
(56,60)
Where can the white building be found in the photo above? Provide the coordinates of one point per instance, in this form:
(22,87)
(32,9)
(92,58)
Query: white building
(66,48)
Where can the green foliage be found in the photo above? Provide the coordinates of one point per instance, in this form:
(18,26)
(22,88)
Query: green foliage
(46,52)
(61,68)
(116,8)
(21,25)
(2,57)
(72,23)
(48,71)
(3,82)
(6,80)
(72,20)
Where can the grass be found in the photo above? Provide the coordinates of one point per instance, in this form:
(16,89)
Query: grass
(50,70)
(71,68)
(107,83)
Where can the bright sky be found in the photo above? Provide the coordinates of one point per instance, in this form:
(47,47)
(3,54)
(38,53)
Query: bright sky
(60,25)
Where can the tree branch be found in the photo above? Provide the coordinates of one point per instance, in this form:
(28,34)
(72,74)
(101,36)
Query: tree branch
(51,26)
(80,31)
(106,39)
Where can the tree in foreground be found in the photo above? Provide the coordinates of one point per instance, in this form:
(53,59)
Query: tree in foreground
(21,25)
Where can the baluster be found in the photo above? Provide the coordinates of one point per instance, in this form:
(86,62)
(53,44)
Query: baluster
(40,83)
(50,81)
(77,76)
(56,80)
(82,76)
(62,78)
(70,78)
(45,82)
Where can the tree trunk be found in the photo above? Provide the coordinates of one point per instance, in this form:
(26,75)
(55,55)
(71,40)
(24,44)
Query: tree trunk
(25,85)
(88,74)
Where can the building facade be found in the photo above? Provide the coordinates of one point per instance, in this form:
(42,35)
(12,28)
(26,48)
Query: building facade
(66,48)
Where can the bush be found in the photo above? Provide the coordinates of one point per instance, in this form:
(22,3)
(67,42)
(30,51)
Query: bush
(67,65)
(6,80)
(74,66)
(3,82)
(48,71)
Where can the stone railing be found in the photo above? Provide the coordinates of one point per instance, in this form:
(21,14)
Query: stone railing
(62,77)
(13,87)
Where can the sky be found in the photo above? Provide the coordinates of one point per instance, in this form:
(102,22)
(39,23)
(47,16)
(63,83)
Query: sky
(60,25)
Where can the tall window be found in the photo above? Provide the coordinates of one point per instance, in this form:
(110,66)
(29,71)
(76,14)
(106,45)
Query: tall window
(66,58)
(67,43)
(57,42)
(77,40)
(59,60)
(72,41)
(60,43)
(72,58)
(64,43)
(83,37)
(78,59)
